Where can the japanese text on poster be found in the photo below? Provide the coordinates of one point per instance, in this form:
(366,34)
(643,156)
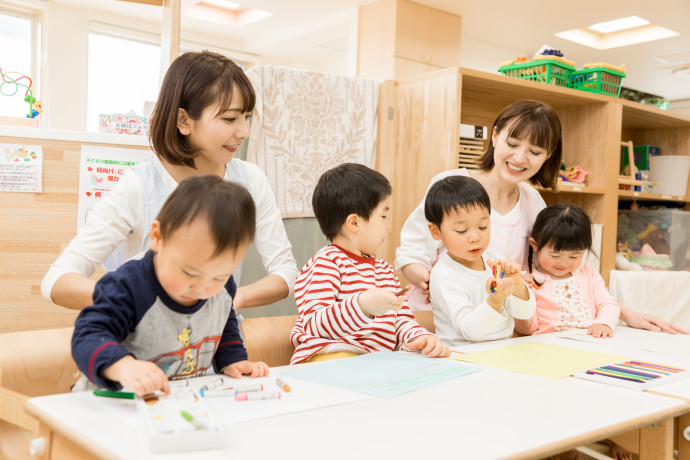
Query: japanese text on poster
(100,169)
(21,168)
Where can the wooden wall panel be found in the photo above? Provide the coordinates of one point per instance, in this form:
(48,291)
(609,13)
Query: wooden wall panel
(34,229)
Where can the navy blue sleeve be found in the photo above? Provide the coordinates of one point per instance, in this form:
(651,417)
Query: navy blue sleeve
(100,328)
(230,349)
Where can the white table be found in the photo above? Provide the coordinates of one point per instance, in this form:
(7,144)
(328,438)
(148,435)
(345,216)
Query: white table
(488,414)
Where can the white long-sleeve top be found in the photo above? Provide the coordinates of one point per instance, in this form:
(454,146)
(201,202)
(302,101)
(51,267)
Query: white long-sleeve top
(461,313)
(509,232)
(330,318)
(120,217)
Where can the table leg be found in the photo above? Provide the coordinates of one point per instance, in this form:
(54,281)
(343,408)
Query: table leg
(656,441)
(683,447)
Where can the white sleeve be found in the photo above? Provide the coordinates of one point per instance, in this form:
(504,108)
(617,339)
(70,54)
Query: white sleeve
(457,315)
(416,243)
(117,217)
(521,309)
(271,240)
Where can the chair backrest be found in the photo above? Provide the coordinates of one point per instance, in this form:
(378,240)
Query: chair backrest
(267,339)
(425,318)
(37,363)
(33,363)
(661,293)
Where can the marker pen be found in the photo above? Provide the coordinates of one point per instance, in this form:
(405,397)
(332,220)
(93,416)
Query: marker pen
(229,391)
(258,395)
(114,394)
(215,384)
(282,384)
(191,419)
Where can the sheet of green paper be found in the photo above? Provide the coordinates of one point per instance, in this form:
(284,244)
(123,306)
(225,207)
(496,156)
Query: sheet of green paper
(543,359)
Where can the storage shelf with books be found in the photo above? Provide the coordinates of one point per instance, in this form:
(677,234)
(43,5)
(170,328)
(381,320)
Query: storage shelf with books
(419,119)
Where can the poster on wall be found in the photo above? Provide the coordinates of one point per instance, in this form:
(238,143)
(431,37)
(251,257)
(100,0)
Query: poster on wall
(100,169)
(21,168)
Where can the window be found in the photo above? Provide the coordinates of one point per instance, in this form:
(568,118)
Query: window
(123,75)
(19,35)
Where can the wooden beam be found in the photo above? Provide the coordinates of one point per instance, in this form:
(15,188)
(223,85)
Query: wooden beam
(170,34)
(145,2)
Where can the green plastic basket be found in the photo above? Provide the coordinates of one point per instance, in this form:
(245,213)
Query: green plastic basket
(542,70)
(600,80)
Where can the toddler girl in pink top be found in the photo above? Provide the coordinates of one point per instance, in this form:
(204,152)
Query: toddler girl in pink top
(569,293)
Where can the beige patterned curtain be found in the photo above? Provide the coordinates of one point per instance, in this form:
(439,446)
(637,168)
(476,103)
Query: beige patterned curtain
(305,123)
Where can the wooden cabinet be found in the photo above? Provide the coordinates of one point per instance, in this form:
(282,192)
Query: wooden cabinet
(419,121)
(397,38)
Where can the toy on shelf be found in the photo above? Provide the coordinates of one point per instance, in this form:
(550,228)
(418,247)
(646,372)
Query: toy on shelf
(643,239)
(572,175)
(9,86)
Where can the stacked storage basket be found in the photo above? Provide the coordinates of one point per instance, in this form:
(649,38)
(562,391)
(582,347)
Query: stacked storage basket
(598,79)
(548,71)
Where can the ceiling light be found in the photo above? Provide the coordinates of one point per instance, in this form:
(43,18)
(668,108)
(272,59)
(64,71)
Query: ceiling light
(597,40)
(619,24)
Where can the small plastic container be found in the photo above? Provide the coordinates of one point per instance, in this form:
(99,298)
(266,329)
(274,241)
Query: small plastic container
(600,80)
(665,231)
(547,71)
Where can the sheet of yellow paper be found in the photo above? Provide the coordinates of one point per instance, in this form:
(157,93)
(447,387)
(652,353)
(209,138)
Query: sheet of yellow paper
(543,359)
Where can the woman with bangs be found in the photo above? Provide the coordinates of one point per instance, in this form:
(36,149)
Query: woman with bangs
(526,146)
(200,119)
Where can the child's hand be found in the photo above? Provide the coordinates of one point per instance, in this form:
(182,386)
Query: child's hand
(600,330)
(429,345)
(251,368)
(504,287)
(513,271)
(142,377)
(374,302)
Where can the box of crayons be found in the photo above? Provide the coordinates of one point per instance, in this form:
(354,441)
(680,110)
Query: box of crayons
(639,375)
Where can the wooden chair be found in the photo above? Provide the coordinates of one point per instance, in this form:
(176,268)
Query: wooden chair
(267,339)
(32,363)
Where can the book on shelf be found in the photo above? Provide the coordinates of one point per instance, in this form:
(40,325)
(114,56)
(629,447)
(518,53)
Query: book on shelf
(638,375)
(473,131)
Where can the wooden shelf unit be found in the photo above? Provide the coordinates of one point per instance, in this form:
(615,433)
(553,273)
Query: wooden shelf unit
(419,121)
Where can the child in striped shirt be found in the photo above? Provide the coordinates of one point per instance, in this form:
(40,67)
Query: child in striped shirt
(348,300)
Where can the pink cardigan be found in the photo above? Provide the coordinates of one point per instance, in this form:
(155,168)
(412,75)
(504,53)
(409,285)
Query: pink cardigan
(599,302)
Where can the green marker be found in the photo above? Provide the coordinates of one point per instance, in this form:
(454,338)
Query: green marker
(190,418)
(114,394)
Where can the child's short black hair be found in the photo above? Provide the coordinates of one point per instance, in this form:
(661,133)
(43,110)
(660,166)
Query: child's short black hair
(228,208)
(564,227)
(452,193)
(349,188)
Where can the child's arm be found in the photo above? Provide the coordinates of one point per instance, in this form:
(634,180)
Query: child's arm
(99,330)
(231,355)
(322,315)
(142,377)
(606,309)
(454,307)
(521,304)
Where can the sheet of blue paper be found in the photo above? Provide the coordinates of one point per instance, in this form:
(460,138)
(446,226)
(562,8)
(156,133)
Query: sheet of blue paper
(383,374)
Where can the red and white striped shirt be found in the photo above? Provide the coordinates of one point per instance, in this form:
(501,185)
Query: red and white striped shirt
(330,318)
